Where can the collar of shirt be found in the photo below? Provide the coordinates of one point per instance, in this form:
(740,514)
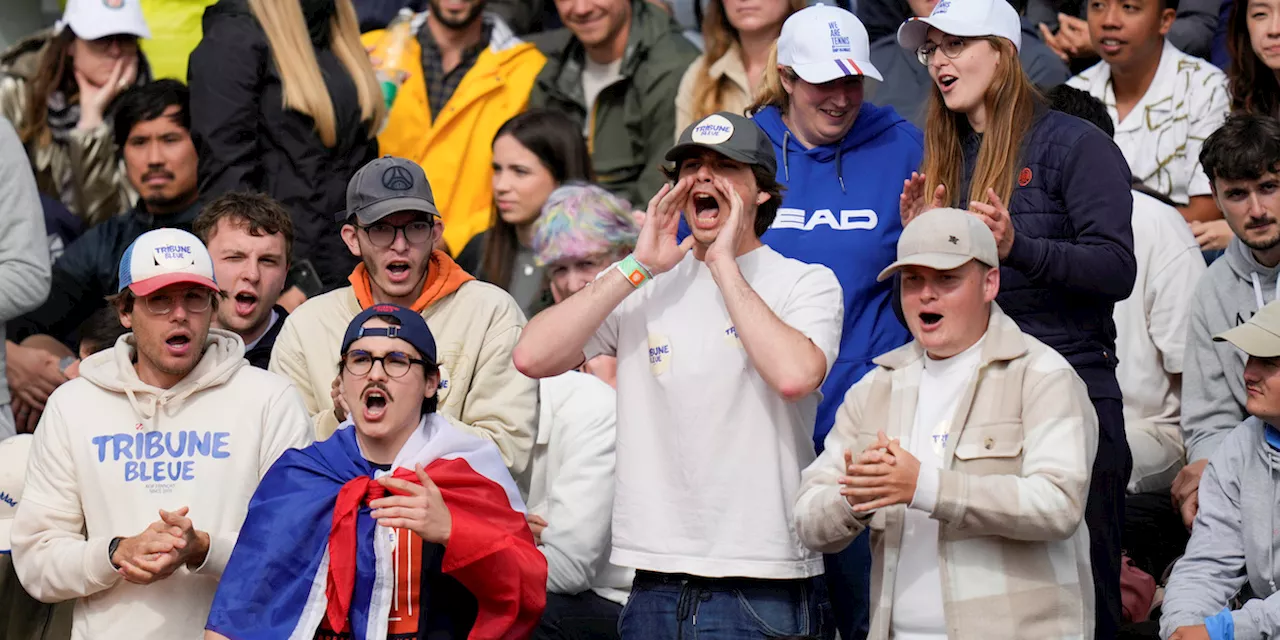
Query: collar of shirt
(1159,95)
(428,41)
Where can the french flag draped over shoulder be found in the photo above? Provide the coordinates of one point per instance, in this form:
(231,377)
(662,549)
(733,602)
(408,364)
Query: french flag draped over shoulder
(295,563)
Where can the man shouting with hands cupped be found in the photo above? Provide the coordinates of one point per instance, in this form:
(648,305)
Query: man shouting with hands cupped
(722,345)
(967,452)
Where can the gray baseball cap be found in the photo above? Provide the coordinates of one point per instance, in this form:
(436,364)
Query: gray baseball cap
(730,135)
(944,239)
(385,186)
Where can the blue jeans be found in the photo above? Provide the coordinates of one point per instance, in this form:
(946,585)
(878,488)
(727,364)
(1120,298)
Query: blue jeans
(680,607)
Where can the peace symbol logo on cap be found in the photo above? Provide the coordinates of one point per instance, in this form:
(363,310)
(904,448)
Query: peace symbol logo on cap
(397,179)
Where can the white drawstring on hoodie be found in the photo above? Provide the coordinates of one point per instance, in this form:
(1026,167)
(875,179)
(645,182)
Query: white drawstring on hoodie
(1257,290)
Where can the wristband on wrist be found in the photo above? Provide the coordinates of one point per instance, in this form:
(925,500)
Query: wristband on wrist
(111,551)
(635,273)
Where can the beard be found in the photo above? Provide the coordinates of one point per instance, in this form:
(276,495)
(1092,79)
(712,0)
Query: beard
(453,21)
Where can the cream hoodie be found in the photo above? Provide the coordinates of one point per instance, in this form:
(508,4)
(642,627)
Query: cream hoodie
(111,451)
(475,326)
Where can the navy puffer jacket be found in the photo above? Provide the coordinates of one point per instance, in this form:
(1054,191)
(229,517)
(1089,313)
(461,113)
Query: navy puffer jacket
(1072,255)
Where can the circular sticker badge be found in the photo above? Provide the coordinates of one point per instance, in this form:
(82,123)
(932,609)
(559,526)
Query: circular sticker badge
(714,129)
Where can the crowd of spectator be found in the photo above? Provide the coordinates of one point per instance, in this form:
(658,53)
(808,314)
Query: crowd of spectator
(641,319)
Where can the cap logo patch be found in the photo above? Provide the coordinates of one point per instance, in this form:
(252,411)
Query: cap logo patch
(397,179)
(173,256)
(713,129)
(113,4)
(839,42)
(942,8)
(953,240)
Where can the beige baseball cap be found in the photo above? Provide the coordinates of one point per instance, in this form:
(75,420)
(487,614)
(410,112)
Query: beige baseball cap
(1260,336)
(944,239)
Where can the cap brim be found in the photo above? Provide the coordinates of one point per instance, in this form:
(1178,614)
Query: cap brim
(156,283)
(383,208)
(681,151)
(1253,340)
(92,31)
(915,31)
(939,261)
(6,528)
(828,70)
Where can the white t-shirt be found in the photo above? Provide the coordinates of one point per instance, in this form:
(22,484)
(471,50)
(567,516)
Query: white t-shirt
(708,454)
(595,77)
(1161,137)
(917,589)
(1151,334)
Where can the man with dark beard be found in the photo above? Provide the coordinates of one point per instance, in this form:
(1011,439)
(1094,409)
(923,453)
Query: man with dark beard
(1242,161)
(464,74)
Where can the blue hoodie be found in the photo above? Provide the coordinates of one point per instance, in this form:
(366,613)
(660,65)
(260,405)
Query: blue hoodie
(840,209)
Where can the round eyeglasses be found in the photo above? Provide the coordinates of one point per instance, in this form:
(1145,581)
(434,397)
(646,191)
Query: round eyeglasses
(193,300)
(395,364)
(384,235)
(951,47)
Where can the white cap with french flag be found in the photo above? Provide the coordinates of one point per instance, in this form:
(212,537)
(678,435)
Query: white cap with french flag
(161,257)
(822,43)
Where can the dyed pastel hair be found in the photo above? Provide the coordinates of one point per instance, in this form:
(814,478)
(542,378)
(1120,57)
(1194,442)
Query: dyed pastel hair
(580,220)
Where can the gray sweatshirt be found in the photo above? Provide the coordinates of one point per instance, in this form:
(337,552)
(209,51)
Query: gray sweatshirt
(24,247)
(1231,541)
(1213,396)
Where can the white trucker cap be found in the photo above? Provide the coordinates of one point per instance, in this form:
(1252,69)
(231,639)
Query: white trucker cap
(824,43)
(93,19)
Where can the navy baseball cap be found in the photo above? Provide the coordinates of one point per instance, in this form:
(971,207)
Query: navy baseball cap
(385,186)
(413,329)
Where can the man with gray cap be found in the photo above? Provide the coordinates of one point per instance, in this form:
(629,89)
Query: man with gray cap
(391,223)
(1233,542)
(968,453)
(720,359)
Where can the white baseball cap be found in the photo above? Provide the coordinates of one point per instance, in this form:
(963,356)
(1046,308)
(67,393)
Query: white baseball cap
(967,19)
(824,43)
(93,19)
(161,257)
(13,472)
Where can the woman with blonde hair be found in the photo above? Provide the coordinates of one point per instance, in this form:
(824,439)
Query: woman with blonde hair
(284,101)
(1054,190)
(739,35)
(56,87)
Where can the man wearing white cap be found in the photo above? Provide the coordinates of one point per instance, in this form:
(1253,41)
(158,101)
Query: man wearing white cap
(967,453)
(21,616)
(142,468)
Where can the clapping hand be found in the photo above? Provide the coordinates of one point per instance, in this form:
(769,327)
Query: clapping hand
(912,201)
(884,474)
(996,217)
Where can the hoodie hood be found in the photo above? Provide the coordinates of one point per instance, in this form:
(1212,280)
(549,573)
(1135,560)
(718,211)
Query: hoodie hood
(872,122)
(1263,280)
(444,276)
(113,370)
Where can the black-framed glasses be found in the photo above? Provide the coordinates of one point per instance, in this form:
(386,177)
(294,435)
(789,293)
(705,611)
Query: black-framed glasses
(195,300)
(395,364)
(384,235)
(951,47)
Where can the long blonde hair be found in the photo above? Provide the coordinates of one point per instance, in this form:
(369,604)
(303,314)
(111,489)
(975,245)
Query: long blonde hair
(771,92)
(295,57)
(720,36)
(1010,102)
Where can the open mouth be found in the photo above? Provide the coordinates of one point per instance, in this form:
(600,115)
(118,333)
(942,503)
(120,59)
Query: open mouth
(705,206)
(375,403)
(1110,45)
(178,344)
(398,271)
(930,321)
(834,114)
(246,302)
(946,80)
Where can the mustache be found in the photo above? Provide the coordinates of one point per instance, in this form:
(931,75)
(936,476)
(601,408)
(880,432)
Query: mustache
(159,173)
(1254,223)
(380,387)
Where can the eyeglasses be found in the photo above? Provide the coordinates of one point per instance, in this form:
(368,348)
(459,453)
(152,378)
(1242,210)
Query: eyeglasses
(951,47)
(395,364)
(193,300)
(384,235)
